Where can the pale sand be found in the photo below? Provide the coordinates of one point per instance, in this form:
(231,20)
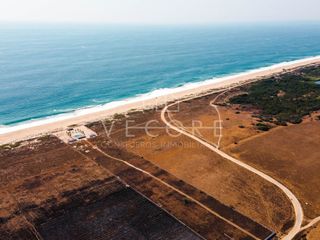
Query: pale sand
(195,90)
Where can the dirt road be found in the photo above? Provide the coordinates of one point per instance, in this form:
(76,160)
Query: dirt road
(295,202)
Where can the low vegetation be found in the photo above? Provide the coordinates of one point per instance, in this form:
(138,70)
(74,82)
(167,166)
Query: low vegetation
(285,98)
(263,127)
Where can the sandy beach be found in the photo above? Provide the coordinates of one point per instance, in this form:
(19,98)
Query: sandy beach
(46,126)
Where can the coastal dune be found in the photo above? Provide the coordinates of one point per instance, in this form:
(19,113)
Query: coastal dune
(45,126)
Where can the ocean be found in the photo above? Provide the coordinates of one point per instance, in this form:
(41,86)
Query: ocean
(53,70)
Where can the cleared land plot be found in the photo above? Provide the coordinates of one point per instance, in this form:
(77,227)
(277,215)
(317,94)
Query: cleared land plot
(181,206)
(204,170)
(121,215)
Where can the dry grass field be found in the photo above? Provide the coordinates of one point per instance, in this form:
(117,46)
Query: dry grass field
(205,170)
(291,154)
(287,153)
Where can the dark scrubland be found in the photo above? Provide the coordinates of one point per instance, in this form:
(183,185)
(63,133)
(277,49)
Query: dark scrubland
(49,190)
(286,98)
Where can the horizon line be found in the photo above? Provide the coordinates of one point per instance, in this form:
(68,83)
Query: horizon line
(161,24)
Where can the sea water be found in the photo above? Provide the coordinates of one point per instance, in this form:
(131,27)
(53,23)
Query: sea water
(49,70)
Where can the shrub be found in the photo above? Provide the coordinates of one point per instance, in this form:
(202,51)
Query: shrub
(263,127)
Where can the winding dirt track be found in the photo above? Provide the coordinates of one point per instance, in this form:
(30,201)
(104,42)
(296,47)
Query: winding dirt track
(310,224)
(295,202)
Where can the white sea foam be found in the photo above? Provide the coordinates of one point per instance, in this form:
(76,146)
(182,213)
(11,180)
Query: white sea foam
(142,97)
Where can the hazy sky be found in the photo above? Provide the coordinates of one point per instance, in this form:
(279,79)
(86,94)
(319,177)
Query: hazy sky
(159,11)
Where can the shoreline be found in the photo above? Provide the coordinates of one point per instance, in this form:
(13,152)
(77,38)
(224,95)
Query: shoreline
(144,101)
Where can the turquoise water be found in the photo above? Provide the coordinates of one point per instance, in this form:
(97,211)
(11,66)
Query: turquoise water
(50,69)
